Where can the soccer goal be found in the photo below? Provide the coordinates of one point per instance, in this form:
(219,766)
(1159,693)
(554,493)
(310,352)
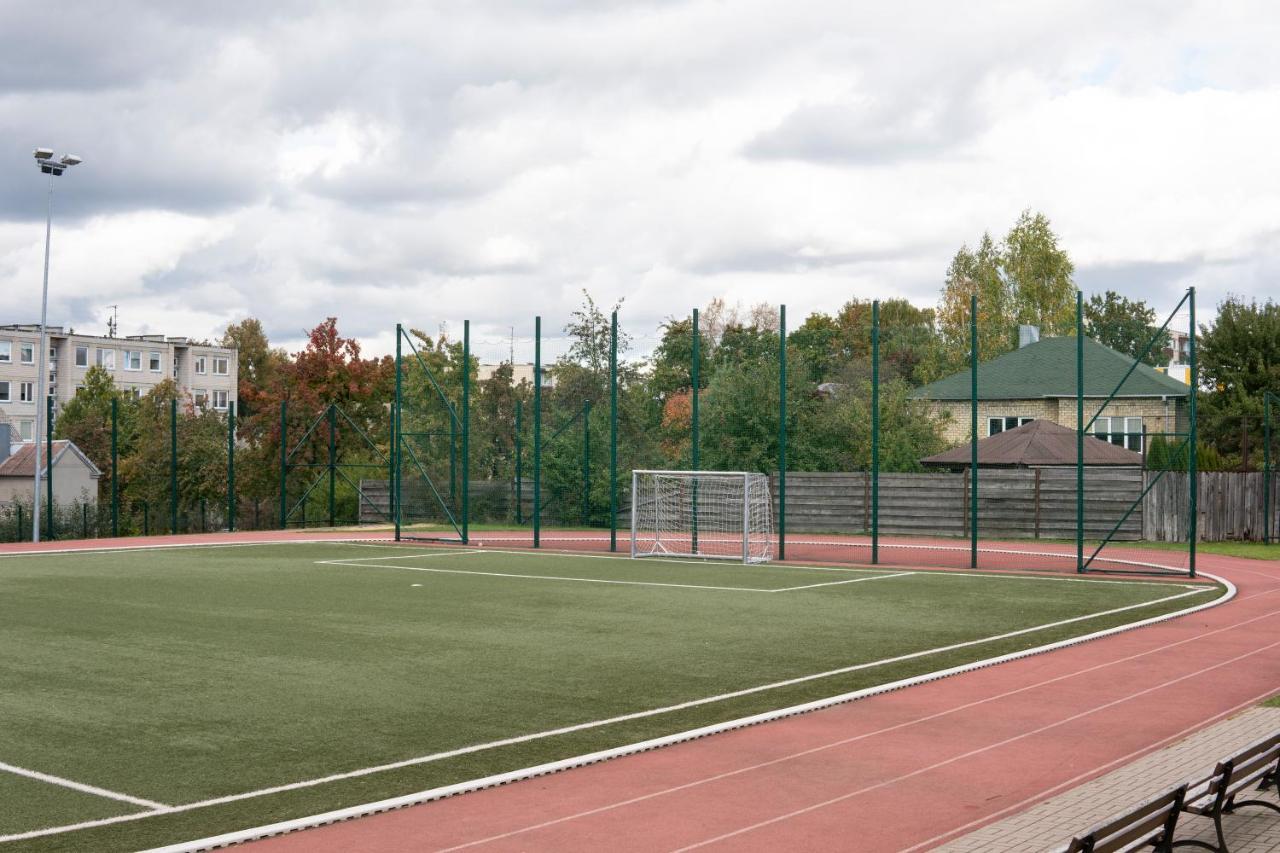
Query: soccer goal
(725,515)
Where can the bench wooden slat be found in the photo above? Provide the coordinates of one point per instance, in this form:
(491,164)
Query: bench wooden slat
(1150,821)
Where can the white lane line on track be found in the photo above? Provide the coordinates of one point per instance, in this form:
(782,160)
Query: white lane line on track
(63,782)
(1014,739)
(865,735)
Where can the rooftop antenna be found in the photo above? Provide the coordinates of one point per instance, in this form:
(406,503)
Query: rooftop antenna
(113,321)
(512,356)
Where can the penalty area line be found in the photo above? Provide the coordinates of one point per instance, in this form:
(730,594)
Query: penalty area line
(63,782)
(849,580)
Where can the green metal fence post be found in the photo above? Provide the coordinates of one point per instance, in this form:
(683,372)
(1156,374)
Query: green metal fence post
(332,415)
(453,457)
(875,432)
(231,467)
(973,431)
(694,435)
(1080,427)
(173,465)
(1193,475)
(537,432)
(397,499)
(782,432)
(48,465)
(115,467)
(613,432)
(1267,401)
(84,520)
(519,462)
(586,461)
(204,515)
(284,462)
(466,430)
(146,518)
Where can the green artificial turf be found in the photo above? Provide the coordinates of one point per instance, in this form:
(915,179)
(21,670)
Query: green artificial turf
(181,675)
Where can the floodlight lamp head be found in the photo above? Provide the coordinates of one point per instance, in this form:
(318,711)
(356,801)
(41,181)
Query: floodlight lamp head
(71,160)
(43,153)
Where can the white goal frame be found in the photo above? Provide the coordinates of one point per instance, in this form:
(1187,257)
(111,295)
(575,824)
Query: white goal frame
(714,515)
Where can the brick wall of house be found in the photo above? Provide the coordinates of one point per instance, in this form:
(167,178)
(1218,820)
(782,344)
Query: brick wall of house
(1158,416)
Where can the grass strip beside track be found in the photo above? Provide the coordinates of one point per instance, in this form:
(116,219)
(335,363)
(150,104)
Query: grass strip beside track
(205,673)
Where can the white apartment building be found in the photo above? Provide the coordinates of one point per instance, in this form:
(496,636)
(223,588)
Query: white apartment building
(137,363)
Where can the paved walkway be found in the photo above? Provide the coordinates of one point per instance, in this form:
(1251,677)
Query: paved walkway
(903,771)
(1249,831)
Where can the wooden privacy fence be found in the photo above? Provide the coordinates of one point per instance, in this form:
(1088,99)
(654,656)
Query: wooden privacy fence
(1030,503)
(1013,503)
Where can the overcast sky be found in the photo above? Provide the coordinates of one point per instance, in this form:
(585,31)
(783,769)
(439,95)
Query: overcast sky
(428,162)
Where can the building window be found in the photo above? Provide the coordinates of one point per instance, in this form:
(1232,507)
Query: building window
(996,426)
(4,392)
(132,359)
(202,398)
(220,400)
(26,392)
(6,352)
(107,359)
(82,356)
(221,366)
(1123,432)
(26,429)
(153,362)
(27,353)
(200,365)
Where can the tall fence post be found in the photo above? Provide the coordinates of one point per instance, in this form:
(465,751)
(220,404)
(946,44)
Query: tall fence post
(284,463)
(613,432)
(397,499)
(537,432)
(973,431)
(231,466)
(466,430)
(586,462)
(875,432)
(1080,432)
(332,416)
(782,432)
(1193,476)
(1267,400)
(173,465)
(695,437)
(115,466)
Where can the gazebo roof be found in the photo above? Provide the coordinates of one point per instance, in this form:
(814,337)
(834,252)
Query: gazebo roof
(1040,443)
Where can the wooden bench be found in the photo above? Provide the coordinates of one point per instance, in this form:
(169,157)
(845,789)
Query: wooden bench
(1215,795)
(1148,824)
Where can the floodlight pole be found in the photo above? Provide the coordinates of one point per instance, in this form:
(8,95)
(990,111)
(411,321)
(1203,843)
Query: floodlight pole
(42,365)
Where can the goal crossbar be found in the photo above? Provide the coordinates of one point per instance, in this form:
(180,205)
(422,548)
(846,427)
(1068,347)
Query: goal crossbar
(725,515)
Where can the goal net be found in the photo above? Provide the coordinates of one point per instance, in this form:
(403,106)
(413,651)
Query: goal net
(723,515)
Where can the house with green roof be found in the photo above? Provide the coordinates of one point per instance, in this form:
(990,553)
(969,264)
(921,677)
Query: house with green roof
(1038,381)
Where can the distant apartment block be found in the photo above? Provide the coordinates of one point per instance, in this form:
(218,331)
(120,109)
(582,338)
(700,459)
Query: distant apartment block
(137,363)
(520,372)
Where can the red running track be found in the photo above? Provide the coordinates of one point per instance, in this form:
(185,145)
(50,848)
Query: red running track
(901,771)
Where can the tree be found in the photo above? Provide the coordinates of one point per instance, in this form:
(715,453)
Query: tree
(1126,326)
(86,420)
(975,272)
(256,361)
(1239,359)
(1039,275)
(1026,279)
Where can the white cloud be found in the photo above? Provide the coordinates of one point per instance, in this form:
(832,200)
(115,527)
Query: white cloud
(391,162)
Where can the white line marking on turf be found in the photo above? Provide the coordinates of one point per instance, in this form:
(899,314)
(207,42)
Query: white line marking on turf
(700,732)
(1015,738)
(840,583)
(366,565)
(679,737)
(80,786)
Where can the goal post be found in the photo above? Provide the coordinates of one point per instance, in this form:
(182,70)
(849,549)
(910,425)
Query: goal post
(723,515)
